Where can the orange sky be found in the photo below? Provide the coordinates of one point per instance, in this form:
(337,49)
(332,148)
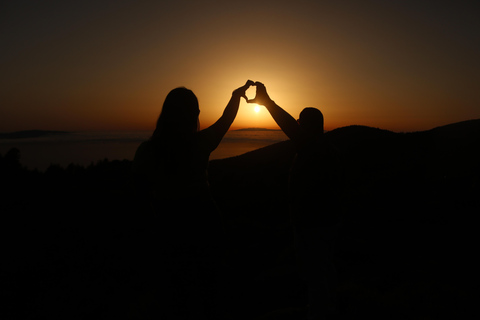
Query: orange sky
(108,65)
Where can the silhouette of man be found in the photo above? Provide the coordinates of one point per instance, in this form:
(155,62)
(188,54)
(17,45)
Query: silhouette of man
(314,191)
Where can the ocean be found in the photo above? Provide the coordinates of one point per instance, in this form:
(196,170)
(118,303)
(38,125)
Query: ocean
(84,148)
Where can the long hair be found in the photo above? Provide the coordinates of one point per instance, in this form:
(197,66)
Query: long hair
(178,119)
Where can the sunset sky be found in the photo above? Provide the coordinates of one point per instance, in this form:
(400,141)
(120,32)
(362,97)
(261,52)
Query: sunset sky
(108,65)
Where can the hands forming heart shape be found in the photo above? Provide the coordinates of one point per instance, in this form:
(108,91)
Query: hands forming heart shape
(261,96)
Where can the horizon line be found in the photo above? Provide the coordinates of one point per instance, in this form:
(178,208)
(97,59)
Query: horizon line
(231,129)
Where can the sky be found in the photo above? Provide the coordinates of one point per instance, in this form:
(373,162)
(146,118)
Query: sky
(108,65)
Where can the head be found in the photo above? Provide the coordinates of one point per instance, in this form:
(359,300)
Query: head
(311,120)
(179,114)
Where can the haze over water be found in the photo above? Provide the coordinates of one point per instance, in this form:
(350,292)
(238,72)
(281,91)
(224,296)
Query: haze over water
(83,148)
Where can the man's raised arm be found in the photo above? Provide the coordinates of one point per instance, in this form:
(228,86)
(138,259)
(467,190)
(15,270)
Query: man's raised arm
(285,121)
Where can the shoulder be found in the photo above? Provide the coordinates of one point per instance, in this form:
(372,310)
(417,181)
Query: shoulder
(143,148)
(207,139)
(319,149)
(311,145)
(142,153)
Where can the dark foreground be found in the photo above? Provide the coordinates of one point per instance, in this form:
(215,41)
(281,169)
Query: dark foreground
(73,239)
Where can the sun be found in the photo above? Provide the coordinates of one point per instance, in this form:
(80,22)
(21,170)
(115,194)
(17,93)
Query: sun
(256,109)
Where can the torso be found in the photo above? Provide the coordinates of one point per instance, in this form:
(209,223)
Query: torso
(314,185)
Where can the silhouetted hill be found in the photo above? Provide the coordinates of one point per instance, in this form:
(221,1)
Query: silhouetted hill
(394,165)
(76,239)
(462,137)
(364,141)
(411,201)
(464,129)
(355,133)
(29,134)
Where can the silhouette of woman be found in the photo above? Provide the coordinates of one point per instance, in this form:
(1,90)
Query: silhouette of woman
(171,173)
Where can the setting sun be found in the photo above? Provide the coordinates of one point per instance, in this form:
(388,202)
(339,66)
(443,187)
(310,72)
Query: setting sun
(384,72)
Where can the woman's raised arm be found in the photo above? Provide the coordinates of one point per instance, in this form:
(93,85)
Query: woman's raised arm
(217,130)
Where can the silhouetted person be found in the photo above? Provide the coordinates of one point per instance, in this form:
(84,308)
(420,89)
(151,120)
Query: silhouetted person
(171,172)
(314,191)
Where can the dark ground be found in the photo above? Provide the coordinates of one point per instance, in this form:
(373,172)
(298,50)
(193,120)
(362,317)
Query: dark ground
(73,239)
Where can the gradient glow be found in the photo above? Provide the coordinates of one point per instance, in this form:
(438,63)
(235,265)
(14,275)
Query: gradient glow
(108,65)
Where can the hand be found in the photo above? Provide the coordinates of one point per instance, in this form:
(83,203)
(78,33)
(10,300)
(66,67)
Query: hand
(261,96)
(242,90)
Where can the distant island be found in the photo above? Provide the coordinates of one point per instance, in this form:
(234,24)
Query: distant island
(30,134)
(256,129)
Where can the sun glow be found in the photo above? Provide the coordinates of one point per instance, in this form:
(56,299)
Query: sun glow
(256,108)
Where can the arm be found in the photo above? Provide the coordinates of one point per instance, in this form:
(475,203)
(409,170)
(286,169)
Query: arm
(221,126)
(285,121)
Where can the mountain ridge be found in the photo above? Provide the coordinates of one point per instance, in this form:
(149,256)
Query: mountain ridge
(423,167)
(355,137)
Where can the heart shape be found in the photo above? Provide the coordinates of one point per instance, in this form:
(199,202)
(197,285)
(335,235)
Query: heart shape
(251,93)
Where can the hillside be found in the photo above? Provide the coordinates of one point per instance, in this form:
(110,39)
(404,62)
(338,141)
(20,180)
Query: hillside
(78,239)
(400,168)
(410,210)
